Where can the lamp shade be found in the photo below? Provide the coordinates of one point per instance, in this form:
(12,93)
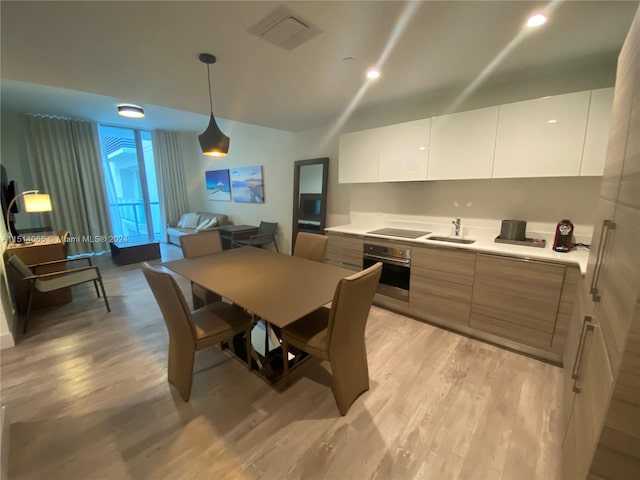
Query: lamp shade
(212,141)
(39,202)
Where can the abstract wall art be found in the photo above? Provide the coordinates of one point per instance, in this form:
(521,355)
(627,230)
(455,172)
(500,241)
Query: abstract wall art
(218,187)
(246,184)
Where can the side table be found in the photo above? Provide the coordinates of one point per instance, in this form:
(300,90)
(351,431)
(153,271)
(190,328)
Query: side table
(134,252)
(230,233)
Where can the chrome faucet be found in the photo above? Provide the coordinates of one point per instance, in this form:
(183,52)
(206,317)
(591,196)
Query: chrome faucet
(456,224)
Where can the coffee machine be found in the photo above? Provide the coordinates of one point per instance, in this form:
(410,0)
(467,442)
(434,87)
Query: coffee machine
(563,241)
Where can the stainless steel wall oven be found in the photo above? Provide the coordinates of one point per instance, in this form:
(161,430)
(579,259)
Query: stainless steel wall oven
(396,268)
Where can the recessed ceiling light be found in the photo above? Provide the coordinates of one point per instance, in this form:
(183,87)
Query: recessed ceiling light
(131,111)
(348,59)
(536,20)
(553,120)
(373,74)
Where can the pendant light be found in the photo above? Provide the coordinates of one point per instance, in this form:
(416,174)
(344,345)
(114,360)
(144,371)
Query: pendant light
(212,141)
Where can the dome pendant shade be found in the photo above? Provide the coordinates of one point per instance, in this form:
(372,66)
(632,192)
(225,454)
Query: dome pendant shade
(212,141)
(131,111)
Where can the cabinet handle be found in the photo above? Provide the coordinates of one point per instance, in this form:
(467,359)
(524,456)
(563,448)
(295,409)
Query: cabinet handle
(574,371)
(607,226)
(587,327)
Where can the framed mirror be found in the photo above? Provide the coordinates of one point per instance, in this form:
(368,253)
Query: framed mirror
(310,178)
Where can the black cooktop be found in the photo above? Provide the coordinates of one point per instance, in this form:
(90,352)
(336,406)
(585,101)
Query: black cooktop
(399,232)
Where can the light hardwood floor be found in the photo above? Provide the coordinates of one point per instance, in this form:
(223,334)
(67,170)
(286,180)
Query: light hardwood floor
(87,396)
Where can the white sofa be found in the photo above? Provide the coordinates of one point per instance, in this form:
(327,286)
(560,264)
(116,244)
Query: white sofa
(193,221)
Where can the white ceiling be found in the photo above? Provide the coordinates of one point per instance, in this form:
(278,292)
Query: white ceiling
(147,53)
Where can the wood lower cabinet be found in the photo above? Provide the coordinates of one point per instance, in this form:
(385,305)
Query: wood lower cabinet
(572,277)
(442,284)
(591,383)
(519,303)
(603,419)
(345,250)
(617,454)
(516,299)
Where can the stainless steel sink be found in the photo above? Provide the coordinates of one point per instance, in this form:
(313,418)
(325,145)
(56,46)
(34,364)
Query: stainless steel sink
(452,240)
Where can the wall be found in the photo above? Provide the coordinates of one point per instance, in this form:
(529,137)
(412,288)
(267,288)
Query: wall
(534,199)
(250,145)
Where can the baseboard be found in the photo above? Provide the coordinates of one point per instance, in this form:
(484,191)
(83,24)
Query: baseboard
(5,426)
(6,341)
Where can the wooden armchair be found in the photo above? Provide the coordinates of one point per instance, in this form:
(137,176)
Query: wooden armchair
(49,282)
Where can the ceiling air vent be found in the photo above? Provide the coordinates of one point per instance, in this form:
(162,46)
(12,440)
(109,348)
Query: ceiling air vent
(284,29)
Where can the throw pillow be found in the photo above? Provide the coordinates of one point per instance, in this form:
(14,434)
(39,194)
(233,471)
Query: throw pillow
(203,225)
(183,218)
(191,221)
(213,223)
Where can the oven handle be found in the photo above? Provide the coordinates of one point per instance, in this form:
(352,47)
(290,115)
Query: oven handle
(392,261)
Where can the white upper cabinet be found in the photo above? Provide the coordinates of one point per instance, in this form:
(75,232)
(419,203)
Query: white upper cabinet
(404,151)
(463,144)
(358,156)
(558,136)
(595,142)
(542,137)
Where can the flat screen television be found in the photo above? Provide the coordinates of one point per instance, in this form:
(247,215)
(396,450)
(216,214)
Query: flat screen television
(310,206)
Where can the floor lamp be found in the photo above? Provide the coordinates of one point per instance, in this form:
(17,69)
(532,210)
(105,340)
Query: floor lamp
(33,202)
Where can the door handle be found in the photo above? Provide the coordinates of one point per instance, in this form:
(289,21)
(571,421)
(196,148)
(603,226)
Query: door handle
(587,327)
(392,261)
(607,226)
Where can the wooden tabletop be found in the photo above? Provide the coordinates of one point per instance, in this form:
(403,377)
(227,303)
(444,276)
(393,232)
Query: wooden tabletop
(276,287)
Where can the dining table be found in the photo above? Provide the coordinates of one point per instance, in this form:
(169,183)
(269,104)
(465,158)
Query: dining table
(276,288)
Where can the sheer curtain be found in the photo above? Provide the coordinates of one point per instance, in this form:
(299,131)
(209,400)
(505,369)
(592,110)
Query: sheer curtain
(64,156)
(172,185)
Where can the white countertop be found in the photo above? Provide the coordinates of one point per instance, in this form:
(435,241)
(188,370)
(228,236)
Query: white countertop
(484,237)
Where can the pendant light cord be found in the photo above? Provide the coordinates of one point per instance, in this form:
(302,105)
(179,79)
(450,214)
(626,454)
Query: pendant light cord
(210,95)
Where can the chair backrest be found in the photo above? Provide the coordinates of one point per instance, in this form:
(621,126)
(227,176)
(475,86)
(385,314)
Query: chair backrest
(200,244)
(64,239)
(350,309)
(268,227)
(173,306)
(311,246)
(20,266)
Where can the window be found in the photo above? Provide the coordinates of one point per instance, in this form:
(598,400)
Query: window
(130,177)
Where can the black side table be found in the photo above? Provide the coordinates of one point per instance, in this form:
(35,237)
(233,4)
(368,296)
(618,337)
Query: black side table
(134,252)
(230,233)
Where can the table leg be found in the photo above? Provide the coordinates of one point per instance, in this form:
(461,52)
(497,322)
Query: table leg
(266,343)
